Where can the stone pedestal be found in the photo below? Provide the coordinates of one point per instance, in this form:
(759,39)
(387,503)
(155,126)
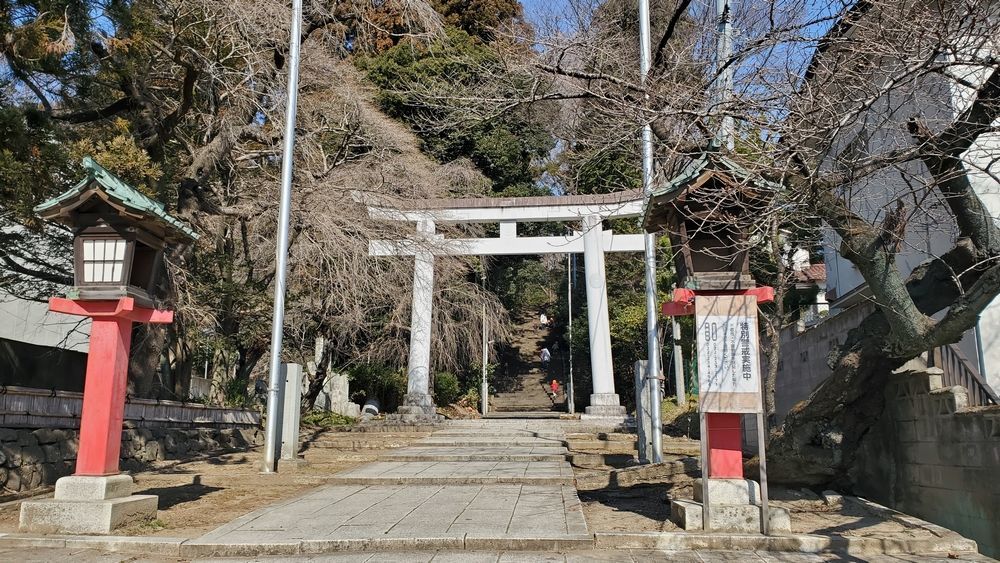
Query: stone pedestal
(736,507)
(87,505)
(604,405)
(643,414)
(417,407)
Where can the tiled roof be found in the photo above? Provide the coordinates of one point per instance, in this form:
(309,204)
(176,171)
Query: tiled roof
(119,191)
(814,273)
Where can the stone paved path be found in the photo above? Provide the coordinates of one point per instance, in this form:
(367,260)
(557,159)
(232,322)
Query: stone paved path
(470,480)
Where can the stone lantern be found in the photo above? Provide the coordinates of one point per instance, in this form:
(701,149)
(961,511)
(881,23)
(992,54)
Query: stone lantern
(119,236)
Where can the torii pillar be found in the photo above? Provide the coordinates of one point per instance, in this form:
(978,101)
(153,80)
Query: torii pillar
(418,404)
(604,402)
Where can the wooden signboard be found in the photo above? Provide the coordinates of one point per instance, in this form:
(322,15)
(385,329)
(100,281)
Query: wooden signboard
(728,354)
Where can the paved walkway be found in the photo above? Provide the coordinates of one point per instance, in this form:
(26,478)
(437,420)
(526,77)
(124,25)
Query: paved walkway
(499,481)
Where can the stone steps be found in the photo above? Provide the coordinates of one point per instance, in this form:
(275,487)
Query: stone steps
(501,414)
(501,453)
(436,472)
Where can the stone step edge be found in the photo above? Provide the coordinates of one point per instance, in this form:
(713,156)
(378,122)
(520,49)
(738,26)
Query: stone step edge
(680,541)
(567,481)
(472,457)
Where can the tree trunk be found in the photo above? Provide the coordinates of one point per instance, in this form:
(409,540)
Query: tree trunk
(817,444)
(317,376)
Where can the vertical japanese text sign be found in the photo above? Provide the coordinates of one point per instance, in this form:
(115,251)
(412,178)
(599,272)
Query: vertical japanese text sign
(728,360)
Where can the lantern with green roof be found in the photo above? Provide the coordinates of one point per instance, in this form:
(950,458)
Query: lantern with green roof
(707,206)
(119,235)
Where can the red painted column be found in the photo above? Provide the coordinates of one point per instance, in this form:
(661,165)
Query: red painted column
(725,445)
(106,381)
(104,396)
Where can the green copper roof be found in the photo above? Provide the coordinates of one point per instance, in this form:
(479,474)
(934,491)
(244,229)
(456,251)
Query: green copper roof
(119,191)
(703,162)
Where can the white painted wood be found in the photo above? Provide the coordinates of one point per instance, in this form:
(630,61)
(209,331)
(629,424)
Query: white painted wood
(508,229)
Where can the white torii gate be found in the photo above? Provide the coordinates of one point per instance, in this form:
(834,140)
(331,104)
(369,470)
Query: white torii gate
(593,242)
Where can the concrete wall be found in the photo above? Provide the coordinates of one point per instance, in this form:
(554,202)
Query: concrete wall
(31,322)
(804,355)
(35,458)
(932,457)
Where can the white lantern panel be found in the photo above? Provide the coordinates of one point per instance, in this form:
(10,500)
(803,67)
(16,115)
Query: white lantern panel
(88,271)
(119,250)
(88,250)
(116,274)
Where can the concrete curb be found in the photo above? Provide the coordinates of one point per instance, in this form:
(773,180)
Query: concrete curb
(793,543)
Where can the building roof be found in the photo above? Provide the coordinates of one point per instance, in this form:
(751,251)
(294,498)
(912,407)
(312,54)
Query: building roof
(116,192)
(813,274)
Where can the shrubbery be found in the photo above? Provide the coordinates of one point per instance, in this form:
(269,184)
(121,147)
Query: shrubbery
(446,389)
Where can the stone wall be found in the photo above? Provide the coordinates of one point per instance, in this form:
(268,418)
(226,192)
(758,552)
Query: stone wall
(933,457)
(35,458)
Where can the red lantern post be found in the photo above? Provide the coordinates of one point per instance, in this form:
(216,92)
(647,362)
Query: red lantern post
(119,236)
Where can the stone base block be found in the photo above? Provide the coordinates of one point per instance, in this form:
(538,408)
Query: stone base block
(292,464)
(86,487)
(604,405)
(416,403)
(729,491)
(743,518)
(55,516)
(414,418)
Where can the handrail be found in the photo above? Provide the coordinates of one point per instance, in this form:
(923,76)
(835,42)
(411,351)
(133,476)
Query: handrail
(959,371)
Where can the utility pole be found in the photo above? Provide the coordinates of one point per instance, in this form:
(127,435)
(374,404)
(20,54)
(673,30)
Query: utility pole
(678,363)
(484,392)
(570,397)
(652,308)
(724,73)
(281,269)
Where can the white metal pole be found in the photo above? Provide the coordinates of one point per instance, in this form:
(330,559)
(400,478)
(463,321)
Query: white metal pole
(678,364)
(485,391)
(281,268)
(724,71)
(570,397)
(652,312)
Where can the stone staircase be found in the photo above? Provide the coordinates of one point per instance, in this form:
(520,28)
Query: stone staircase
(523,390)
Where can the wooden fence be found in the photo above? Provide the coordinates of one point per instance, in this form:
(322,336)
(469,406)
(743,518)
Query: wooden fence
(25,407)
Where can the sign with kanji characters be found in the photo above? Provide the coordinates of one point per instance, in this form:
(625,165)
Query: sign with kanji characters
(728,354)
